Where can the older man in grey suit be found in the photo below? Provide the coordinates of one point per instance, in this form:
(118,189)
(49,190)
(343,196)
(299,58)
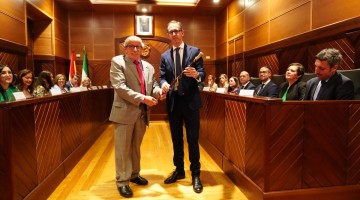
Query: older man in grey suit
(135,90)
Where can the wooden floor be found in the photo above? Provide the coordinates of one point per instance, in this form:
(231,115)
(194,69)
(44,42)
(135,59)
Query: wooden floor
(94,176)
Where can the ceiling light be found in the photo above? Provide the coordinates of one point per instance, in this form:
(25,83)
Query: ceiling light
(158,2)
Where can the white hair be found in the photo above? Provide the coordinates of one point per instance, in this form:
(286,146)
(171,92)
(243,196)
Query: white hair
(133,38)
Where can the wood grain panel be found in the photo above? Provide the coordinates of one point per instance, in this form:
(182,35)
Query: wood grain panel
(215,120)
(342,44)
(24,159)
(14,9)
(221,25)
(270,61)
(239,45)
(291,23)
(235,7)
(353,142)
(70,129)
(285,140)
(256,37)
(287,56)
(324,161)
(221,50)
(236,25)
(104,51)
(43,5)
(10,59)
(103,36)
(235,131)
(279,7)
(14,31)
(87,101)
(47,137)
(341,10)
(256,15)
(254,146)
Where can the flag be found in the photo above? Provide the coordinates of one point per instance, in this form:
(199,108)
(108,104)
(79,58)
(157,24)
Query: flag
(72,70)
(85,70)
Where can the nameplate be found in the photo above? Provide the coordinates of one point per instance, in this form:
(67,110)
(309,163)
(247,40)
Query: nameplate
(55,91)
(75,89)
(220,90)
(19,96)
(245,92)
(83,88)
(207,89)
(104,86)
(94,87)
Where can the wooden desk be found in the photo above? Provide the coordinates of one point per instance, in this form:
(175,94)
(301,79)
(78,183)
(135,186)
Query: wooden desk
(284,150)
(42,139)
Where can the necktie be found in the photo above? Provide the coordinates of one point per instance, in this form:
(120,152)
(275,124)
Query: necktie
(142,82)
(177,61)
(262,86)
(322,89)
(178,71)
(242,87)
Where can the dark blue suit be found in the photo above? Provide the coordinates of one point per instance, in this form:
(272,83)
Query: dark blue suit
(338,87)
(184,108)
(269,90)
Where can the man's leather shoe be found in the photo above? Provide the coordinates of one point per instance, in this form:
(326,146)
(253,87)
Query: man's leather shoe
(176,175)
(197,186)
(125,191)
(139,180)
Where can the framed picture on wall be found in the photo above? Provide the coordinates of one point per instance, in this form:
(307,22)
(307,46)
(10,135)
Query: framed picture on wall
(144,25)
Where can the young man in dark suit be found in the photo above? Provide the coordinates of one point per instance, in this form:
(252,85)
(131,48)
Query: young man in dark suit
(183,101)
(329,84)
(267,88)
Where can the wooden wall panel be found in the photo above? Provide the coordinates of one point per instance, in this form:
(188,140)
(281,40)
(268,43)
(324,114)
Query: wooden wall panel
(10,59)
(25,158)
(353,142)
(13,9)
(231,48)
(235,26)
(14,31)
(221,29)
(47,136)
(341,10)
(43,34)
(324,159)
(256,15)
(257,37)
(291,23)
(239,45)
(43,5)
(270,61)
(234,8)
(215,122)
(280,7)
(286,147)
(61,32)
(235,124)
(221,50)
(254,146)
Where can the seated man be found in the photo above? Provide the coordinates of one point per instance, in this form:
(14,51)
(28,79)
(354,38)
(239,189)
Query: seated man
(73,82)
(245,81)
(329,84)
(267,88)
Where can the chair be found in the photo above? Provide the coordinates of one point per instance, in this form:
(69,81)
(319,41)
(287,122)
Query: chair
(354,75)
(278,79)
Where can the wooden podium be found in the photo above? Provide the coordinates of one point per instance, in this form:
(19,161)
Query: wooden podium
(284,150)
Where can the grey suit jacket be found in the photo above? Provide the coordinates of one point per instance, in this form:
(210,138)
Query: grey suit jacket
(127,89)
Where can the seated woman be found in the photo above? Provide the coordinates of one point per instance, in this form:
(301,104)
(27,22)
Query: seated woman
(59,83)
(86,82)
(25,82)
(293,88)
(211,84)
(43,84)
(234,86)
(6,83)
(224,82)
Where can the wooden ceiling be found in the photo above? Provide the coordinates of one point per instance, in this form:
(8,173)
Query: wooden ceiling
(204,7)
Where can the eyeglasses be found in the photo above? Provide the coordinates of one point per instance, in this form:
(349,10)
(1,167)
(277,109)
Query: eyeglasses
(174,31)
(134,46)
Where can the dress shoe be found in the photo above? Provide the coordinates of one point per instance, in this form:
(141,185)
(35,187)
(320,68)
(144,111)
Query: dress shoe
(176,175)
(139,180)
(197,186)
(125,191)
